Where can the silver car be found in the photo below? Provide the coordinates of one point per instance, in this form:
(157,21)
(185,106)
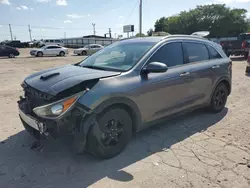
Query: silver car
(50,50)
(88,50)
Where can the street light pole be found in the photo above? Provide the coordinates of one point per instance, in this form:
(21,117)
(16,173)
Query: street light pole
(140,18)
(93,24)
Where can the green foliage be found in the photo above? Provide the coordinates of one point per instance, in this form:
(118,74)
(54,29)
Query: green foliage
(150,32)
(138,35)
(220,20)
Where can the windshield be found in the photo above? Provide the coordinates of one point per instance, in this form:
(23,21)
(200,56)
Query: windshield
(44,47)
(120,56)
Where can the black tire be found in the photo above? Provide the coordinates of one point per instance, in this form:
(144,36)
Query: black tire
(11,55)
(62,54)
(219,98)
(39,54)
(105,140)
(84,53)
(33,132)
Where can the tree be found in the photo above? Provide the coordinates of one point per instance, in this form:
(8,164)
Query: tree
(217,18)
(150,32)
(142,35)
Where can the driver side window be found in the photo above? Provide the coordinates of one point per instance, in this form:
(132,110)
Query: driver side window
(170,54)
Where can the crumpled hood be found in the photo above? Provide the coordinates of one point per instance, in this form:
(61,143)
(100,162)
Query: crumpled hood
(56,80)
(82,49)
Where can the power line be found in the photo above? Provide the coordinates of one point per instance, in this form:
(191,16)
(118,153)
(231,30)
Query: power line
(137,2)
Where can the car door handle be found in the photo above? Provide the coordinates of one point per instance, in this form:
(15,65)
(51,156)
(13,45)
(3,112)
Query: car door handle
(215,67)
(185,74)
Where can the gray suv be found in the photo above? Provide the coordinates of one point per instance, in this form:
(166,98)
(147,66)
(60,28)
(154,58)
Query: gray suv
(124,88)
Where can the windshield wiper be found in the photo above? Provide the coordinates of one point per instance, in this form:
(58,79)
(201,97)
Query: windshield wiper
(94,67)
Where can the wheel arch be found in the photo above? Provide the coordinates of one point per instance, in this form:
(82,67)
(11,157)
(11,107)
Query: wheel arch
(226,82)
(126,104)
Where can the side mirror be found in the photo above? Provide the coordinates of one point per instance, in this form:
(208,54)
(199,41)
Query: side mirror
(155,67)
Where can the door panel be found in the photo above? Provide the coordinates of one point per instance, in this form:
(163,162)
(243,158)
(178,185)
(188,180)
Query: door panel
(163,94)
(201,72)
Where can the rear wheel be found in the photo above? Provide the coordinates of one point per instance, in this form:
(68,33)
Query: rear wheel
(84,53)
(219,98)
(11,55)
(39,54)
(62,54)
(110,134)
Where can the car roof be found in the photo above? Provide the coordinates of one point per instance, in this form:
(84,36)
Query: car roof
(53,45)
(157,39)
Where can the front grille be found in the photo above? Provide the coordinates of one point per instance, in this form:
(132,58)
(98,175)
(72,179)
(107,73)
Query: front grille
(35,97)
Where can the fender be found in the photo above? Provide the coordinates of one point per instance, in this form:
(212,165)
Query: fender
(122,101)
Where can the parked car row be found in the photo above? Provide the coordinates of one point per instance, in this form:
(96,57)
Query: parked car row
(50,50)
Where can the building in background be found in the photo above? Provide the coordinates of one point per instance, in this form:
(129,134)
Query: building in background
(77,42)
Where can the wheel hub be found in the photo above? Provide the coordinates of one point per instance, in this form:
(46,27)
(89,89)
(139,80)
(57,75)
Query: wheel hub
(112,133)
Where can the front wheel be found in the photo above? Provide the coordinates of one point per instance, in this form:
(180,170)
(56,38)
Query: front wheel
(219,98)
(110,135)
(39,54)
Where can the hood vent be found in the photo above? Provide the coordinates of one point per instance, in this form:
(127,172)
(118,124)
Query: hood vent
(48,76)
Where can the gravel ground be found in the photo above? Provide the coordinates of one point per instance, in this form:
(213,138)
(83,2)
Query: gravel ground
(195,150)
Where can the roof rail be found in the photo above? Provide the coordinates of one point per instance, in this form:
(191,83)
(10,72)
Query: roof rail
(184,36)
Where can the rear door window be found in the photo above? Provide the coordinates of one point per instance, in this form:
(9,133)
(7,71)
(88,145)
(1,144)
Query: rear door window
(213,53)
(196,52)
(171,54)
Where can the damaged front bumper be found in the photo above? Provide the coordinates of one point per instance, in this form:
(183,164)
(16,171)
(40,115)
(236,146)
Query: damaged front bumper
(71,122)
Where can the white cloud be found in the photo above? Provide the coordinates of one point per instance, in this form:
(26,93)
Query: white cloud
(1,26)
(231,1)
(121,17)
(24,7)
(62,2)
(75,16)
(5,2)
(43,1)
(67,21)
(89,15)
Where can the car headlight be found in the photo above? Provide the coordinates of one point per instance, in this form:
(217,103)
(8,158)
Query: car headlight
(56,109)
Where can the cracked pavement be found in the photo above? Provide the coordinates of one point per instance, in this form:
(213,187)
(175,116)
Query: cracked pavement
(198,149)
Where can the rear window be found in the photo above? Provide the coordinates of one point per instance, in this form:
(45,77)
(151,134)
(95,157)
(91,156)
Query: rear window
(196,52)
(213,53)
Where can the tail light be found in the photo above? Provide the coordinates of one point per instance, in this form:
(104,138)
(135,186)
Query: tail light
(244,44)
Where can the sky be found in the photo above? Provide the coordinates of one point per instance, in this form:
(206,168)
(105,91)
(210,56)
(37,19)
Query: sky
(74,18)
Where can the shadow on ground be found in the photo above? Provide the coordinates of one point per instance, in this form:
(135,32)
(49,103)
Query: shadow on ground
(55,165)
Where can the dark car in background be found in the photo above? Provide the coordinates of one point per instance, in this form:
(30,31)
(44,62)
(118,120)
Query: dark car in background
(237,47)
(124,88)
(8,51)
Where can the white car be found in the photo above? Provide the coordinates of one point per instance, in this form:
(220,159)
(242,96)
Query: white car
(88,50)
(50,50)
(46,42)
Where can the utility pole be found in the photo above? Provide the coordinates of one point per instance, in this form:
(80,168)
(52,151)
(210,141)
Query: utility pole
(30,33)
(110,35)
(140,18)
(93,24)
(10,32)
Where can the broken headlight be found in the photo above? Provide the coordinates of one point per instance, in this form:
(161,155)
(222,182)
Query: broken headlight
(56,109)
